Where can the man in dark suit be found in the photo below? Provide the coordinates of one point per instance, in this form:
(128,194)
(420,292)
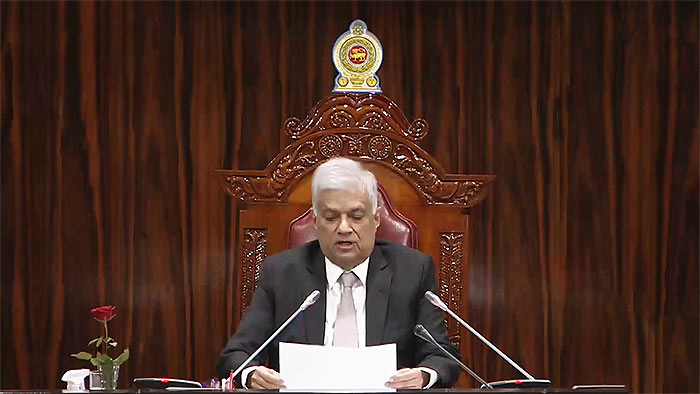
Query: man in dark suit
(371,290)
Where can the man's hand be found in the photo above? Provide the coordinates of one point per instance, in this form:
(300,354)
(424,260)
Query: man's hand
(265,379)
(408,378)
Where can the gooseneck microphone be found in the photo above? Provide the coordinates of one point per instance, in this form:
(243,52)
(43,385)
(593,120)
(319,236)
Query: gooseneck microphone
(424,334)
(310,300)
(435,300)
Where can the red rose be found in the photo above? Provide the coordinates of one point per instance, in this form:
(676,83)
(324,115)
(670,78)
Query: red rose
(104,313)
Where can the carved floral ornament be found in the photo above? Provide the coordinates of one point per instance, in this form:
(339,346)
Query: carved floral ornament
(405,157)
(450,268)
(364,111)
(254,251)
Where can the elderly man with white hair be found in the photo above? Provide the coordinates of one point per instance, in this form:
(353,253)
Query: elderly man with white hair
(371,291)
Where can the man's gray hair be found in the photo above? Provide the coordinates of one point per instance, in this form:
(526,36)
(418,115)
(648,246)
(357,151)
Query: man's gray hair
(340,173)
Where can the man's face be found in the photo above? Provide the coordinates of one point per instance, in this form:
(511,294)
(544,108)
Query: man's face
(345,226)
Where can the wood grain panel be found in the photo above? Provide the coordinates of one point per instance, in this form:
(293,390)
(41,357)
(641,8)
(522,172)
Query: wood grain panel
(583,260)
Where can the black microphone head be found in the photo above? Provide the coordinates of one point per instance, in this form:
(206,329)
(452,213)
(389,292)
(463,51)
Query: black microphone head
(422,333)
(419,330)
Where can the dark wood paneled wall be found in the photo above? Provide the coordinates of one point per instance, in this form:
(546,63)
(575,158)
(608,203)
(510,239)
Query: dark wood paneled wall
(583,260)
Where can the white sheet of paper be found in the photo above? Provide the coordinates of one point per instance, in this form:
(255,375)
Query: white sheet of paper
(315,367)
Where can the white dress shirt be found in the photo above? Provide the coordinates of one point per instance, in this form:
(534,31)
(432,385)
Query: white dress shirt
(359,296)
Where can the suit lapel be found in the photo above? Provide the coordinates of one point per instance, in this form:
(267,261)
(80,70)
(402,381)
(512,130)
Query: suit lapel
(378,286)
(315,315)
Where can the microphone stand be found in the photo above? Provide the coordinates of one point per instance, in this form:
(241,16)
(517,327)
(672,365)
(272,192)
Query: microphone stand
(310,300)
(435,300)
(422,333)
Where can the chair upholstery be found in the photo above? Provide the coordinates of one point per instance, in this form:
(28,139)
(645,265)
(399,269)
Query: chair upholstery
(393,226)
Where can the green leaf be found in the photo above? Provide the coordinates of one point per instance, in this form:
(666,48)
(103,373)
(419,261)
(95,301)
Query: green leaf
(122,357)
(82,356)
(111,342)
(103,359)
(99,342)
(94,340)
(94,362)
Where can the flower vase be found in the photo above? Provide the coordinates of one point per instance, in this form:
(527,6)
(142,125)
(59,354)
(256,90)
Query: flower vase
(109,376)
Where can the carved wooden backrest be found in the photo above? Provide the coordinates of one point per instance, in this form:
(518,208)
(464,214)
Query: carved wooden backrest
(372,129)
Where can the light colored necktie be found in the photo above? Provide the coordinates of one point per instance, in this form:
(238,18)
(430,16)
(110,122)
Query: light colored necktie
(345,333)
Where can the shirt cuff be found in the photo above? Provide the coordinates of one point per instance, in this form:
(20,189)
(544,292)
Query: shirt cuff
(246,372)
(433,376)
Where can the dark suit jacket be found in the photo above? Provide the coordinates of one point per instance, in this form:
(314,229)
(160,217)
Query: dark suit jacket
(397,280)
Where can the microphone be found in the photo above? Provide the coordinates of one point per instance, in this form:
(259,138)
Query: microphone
(310,300)
(530,382)
(423,334)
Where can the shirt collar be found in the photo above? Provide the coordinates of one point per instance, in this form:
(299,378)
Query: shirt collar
(333,272)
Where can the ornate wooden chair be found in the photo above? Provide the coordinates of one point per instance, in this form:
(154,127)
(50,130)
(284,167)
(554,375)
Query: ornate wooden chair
(372,129)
